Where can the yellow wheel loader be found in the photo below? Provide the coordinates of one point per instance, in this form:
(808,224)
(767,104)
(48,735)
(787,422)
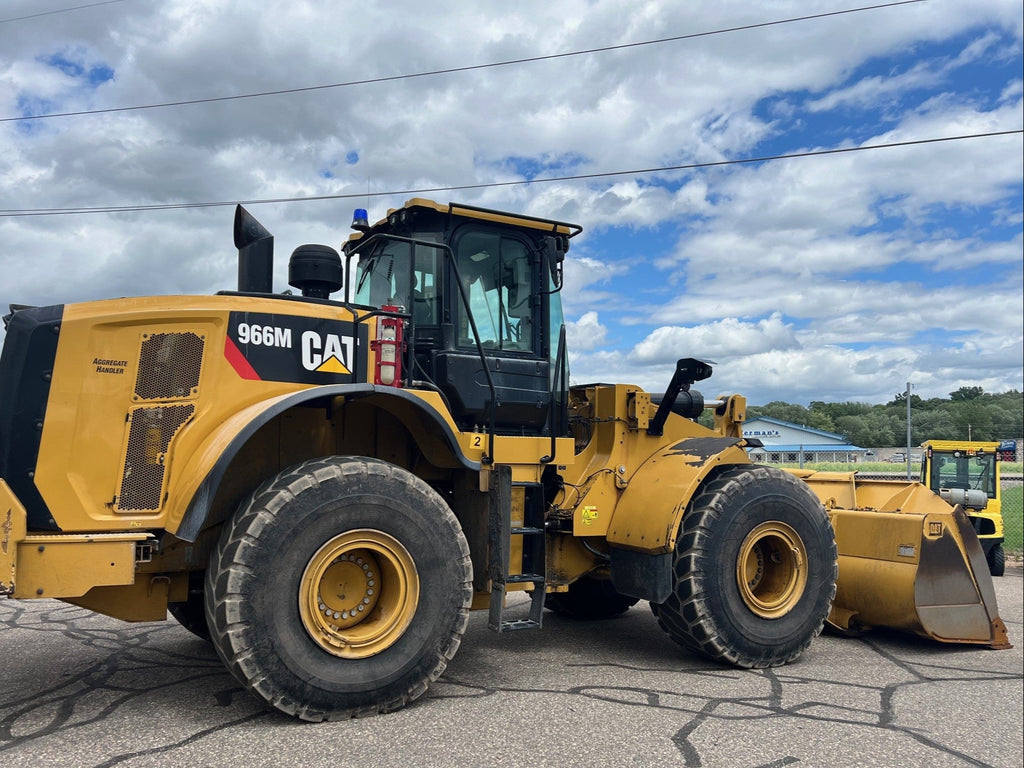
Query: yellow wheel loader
(967,473)
(325,487)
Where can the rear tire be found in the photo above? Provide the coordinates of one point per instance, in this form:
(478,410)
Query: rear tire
(997,560)
(341,587)
(589,599)
(754,570)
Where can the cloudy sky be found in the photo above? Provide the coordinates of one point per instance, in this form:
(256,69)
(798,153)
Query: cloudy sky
(831,277)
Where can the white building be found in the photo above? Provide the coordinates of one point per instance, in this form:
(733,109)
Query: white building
(785,443)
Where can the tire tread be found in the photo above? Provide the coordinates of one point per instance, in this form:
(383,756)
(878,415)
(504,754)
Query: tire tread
(234,639)
(684,616)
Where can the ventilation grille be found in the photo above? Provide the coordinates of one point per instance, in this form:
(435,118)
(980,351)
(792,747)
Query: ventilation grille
(151,432)
(169,366)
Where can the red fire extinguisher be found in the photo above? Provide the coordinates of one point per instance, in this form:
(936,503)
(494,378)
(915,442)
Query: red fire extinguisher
(389,346)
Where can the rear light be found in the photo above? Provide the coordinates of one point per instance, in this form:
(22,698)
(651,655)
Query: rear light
(388,347)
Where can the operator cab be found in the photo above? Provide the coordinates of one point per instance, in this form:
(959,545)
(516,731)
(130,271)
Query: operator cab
(474,285)
(963,470)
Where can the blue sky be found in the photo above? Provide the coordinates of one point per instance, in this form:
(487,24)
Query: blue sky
(829,278)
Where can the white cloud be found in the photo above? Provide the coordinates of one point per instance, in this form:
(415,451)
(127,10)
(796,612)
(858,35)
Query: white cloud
(725,337)
(585,334)
(770,267)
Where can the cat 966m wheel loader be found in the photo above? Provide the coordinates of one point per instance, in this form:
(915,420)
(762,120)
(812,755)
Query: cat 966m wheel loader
(325,487)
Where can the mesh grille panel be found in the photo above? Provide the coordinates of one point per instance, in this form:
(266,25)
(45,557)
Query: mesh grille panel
(169,365)
(150,433)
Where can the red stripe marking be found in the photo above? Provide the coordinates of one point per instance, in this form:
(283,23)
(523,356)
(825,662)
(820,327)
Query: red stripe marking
(238,361)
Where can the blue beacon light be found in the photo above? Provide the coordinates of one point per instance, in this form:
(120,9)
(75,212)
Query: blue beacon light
(360,220)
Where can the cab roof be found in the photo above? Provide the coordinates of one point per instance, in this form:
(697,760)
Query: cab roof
(481,214)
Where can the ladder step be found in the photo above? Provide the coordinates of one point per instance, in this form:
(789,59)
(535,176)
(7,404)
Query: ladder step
(517,624)
(532,557)
(533,621)
(524,578)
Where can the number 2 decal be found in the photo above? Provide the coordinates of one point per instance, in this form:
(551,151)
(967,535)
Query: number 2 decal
(478,441)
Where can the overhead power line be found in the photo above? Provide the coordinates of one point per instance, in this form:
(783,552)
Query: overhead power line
(7,213)
(467,68)
(61,10)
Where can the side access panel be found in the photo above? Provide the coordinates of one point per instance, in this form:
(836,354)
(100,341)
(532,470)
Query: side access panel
(521,386)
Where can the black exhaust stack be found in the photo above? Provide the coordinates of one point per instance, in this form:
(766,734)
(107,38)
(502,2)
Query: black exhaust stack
(255,254)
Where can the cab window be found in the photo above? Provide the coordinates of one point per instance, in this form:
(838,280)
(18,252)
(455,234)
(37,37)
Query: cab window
(383,277)
(959,470)
(498,282)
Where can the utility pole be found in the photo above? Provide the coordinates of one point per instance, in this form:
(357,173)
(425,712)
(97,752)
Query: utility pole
(909,387)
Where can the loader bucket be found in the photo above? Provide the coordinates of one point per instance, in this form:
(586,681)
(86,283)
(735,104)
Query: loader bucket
(907,561)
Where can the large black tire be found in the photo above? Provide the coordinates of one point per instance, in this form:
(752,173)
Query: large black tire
(341,587)
(754,569)
(589,599)
(997,560)
(191,614)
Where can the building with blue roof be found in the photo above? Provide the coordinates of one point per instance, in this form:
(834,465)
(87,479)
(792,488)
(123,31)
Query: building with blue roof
(786,443)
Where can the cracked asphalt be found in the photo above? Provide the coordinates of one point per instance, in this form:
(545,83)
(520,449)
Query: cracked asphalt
(77,689)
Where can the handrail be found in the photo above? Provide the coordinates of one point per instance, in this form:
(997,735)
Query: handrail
(553,421)
(574,229)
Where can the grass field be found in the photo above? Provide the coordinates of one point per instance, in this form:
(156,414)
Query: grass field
(1013,519)
(1007,467)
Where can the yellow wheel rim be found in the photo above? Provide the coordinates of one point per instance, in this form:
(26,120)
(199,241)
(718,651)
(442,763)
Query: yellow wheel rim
(358,593)
(771,570)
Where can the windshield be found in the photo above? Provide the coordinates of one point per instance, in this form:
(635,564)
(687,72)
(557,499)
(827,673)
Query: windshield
(958,470)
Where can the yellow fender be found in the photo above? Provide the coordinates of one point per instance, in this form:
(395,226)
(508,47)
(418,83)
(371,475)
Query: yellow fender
(433,432)
(650,509)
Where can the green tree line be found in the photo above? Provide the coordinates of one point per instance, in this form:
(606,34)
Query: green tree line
(968,413)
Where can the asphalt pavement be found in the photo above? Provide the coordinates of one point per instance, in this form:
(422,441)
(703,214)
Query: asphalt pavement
(77,689)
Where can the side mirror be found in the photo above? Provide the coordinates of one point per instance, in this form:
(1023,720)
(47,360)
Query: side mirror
(553,254)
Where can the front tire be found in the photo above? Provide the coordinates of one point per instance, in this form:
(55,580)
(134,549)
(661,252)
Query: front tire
(341,587)
(754,570)
(996,560)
